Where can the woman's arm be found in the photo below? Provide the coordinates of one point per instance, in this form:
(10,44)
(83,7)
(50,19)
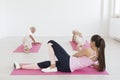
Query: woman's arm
(73,32)
(32,38)
(73,37)
(81,53)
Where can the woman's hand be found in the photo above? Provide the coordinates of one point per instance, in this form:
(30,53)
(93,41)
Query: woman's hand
(96,66)
(36,43)
(79,47)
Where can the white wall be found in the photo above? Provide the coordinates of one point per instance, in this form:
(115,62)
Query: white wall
(57,17)
(3,22)
(114,30)
(105,16)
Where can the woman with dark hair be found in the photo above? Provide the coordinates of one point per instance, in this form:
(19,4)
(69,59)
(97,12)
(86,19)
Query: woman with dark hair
(99,42)
(65,63)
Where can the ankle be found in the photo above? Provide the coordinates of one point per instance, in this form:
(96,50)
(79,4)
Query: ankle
(52,66)
(20,66)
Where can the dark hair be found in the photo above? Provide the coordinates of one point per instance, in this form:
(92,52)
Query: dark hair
(100,44)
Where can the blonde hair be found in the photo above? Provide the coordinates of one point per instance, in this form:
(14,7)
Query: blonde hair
(32,28)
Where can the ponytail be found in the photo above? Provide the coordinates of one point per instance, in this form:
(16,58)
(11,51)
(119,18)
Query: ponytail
(100,44)
(101,55)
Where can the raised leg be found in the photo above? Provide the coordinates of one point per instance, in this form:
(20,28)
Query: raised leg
(51,56)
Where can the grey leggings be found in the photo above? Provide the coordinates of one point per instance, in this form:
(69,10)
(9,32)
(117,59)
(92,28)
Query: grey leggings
(63,58)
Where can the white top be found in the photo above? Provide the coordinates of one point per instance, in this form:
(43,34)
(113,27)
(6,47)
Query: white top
(78,39)
(82,62)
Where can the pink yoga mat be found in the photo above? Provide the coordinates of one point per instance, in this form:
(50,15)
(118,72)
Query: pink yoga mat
(35,48)
(85,71)
(74,45)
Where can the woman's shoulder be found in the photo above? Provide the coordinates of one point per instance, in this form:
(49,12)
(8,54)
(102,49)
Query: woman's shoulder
(87,51)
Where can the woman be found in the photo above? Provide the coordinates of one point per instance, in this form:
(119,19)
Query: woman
(78,39)
(66,63)
(29,39)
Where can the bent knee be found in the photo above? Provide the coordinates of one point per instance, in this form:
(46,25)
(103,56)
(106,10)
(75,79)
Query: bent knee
(51,41)
(50,44)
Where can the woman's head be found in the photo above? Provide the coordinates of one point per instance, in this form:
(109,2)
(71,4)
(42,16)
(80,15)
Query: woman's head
(99,43)
(32,29)
(76,32)
(73,32)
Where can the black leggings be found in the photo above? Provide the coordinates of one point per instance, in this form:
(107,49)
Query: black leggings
(63,58)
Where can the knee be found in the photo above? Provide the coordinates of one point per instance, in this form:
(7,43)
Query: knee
(51,42)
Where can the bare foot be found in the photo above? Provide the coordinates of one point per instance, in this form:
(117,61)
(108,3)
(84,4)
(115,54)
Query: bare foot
(26,49)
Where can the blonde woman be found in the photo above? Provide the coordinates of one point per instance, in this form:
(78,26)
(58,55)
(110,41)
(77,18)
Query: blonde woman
(29,40)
